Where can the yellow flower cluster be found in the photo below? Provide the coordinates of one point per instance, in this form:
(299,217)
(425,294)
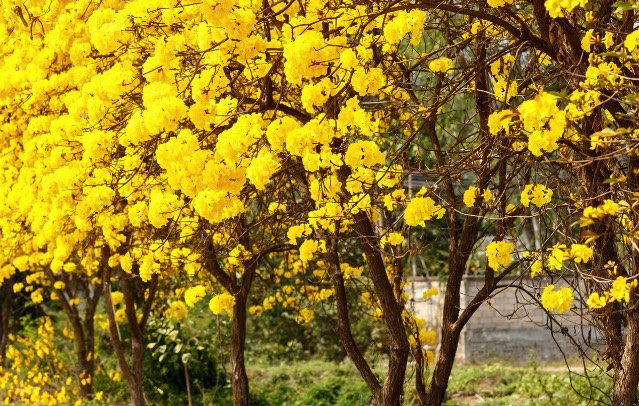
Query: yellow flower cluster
(543,122)
(620,291)
(536,194)
(470,195)
(557,300)
(592,214)
(177,310)
(402,23)
(581,253)
(34,374)
(430,292)
(499,254)
(441,65)
(499,3)
(421,209)
(222,303)
(194,295)
(392,239)
(554,7)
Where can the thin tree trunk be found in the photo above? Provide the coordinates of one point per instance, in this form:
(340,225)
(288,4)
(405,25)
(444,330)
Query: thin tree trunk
(85,366)
(239,379)
(136,386)
(84,341)
(89,334)
(5,316)
(343,325)
(188,384)
(393,386)
(444,366)
(626,379)
(624,392)
(133,374)
(137,340)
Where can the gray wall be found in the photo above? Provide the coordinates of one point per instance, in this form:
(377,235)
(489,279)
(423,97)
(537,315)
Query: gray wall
(512,328)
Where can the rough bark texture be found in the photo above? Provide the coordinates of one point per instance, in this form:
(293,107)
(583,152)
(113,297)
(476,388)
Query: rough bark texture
(443,368)
(85,346)
(626,380)
(393,386)
(83,333)
(5,316)
(239,379)
(343,325)
(137,339)
(133,374)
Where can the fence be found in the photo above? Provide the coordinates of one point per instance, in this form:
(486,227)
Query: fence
(510,326)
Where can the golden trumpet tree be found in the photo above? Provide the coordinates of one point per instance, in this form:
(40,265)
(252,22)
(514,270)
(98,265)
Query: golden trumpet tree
(150,140)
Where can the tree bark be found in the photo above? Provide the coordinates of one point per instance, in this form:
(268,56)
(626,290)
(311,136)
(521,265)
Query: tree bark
(83,333)
(5,317)
(85,357)
(137,340)
(343,325)
(132,374)
(444,366)
(239,379)
(393,386)
(626,379)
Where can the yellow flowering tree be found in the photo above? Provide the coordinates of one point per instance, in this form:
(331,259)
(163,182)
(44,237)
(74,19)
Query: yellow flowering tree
(154,143)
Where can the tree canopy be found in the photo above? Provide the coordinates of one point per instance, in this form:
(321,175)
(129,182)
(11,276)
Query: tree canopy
(250,153)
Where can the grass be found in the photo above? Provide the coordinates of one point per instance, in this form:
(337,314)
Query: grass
(499,384)
(322,383)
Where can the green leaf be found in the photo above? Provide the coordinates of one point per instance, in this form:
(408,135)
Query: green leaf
(621,6)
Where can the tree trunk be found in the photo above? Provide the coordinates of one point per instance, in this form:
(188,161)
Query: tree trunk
(392,308)
(239,379)
(137,339)
(132,375)
(83,333)
(135,384)
(443,368)
(624,392)
(5,316)
(626,380)
(85,366)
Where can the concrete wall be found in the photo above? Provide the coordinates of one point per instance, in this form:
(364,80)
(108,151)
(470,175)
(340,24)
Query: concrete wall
(511,327)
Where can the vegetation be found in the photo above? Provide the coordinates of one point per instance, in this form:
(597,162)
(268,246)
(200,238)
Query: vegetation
(180,181)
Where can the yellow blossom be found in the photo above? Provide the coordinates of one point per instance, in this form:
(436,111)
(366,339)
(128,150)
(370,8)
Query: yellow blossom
(499,254)
(223,302)
(421,209)
(536,194)
(559,300)
(597,302)
(620,289)
(194,295)
(470,195)
(441,65)
(581,253)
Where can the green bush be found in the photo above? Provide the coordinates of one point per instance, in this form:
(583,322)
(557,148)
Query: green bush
(310,383)
(171,346)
